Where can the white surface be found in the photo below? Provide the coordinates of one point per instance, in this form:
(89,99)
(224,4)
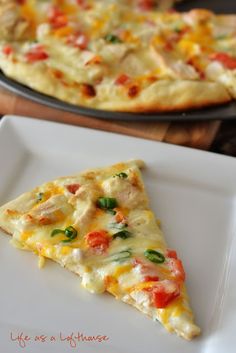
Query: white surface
(192,192)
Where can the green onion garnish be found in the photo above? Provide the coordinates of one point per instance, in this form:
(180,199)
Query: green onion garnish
(70,232)
(122,255)
(123,234)
(57,231)
(121,175)
(112,38)
(39,196)
(154,256)
(106,203)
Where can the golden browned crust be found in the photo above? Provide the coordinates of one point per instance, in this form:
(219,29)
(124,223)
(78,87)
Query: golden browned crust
(161,96)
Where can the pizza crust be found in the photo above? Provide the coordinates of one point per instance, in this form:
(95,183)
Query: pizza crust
(163,95)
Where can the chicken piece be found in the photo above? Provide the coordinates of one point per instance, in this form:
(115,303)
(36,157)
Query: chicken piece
(11,25)
(175,67)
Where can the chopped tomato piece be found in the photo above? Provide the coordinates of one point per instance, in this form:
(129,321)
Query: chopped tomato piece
(98,240)
(88,90)
(122,79)
(133,91)
(73,188)
(36,54)
(150,278)
(177,269)
(56,17)
(146,5)
(7,50)
(163,293)
(172,253)
(228,61)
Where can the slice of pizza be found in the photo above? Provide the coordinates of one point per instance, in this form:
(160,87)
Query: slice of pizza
(98,224)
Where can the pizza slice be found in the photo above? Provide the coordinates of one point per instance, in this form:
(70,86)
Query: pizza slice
(98,224)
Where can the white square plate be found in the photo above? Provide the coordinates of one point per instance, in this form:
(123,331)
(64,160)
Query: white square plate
(192,192)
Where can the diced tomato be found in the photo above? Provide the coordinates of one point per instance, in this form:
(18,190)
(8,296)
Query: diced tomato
(164,292)
(7,50)
(57,17)
(36,54)
(87,90)
(146,5)
(122,79)
(227,60)
(150,278)
(177,269)
(133,91)
(98,240)
(73,188)
(171,253)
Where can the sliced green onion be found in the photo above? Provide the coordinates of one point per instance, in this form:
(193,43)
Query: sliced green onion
(70,232)
(123,234)
(154,256)
(106,203)
(112,38)
(39,196)
(121,175)
(121,256)
(57,231)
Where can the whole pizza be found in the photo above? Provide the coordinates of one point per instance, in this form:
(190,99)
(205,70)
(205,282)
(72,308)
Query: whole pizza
(122,55)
